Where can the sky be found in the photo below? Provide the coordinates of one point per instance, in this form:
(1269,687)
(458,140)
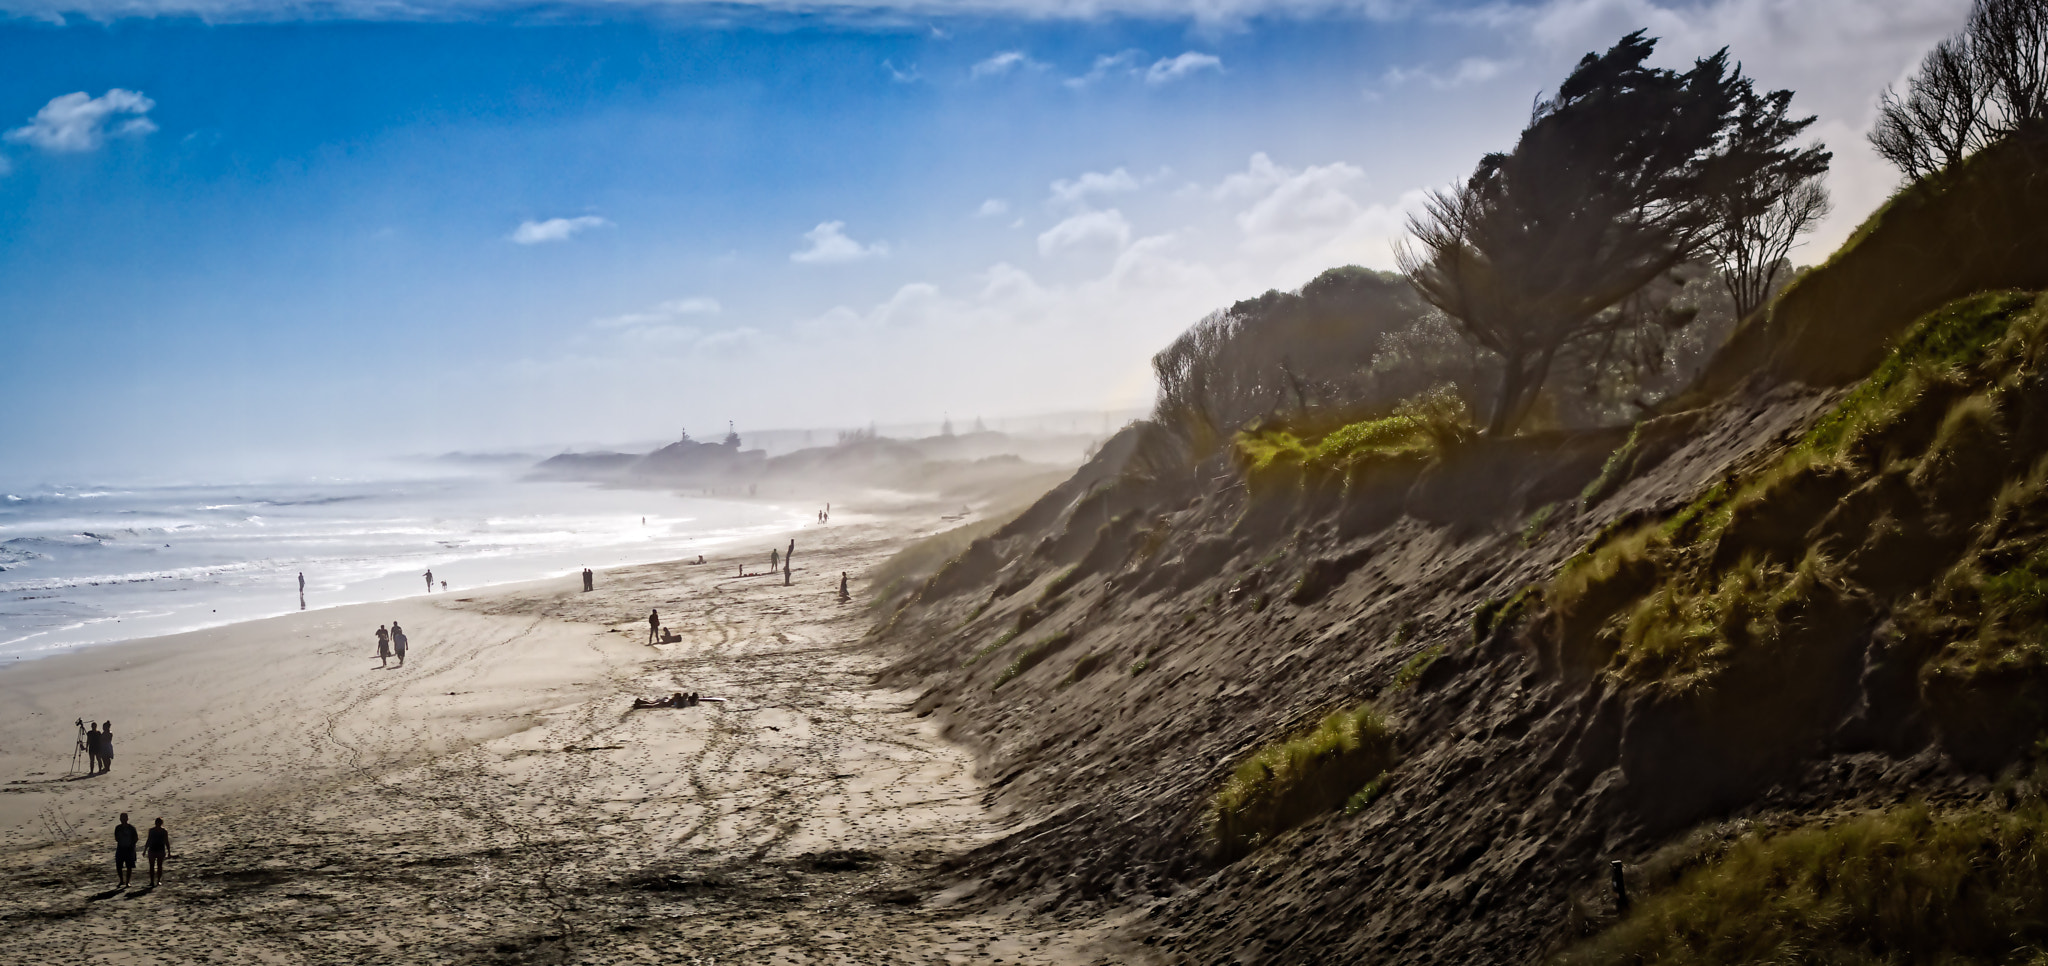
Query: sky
(248,237)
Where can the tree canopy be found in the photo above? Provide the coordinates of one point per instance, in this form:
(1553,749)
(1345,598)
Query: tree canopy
(1625,173)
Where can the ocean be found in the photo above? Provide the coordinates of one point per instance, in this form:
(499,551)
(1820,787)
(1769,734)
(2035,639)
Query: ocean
(91,565)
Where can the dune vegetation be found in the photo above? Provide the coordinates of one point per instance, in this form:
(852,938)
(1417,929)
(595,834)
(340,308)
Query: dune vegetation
(1290,782)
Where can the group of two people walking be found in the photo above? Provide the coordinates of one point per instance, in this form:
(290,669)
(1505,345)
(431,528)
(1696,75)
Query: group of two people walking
(157,847)
(390,642)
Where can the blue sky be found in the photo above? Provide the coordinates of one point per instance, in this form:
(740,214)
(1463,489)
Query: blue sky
(257,235)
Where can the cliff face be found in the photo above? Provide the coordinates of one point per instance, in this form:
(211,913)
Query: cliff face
(1800,592)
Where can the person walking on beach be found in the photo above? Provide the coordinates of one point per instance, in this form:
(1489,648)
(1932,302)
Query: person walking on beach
(843,595)
(430,581)
(106,747)
(124,850)
(383,646)
(654,627)
(158,848)
(398,643)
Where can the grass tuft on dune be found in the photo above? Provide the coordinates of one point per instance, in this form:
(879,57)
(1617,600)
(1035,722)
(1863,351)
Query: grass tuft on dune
(1908,885)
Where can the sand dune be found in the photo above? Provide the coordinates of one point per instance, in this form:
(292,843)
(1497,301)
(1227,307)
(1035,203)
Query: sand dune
(495,801)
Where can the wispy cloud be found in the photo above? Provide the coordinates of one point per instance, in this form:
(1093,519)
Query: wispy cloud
(1089,229)
(989,209)
(665,312)
(555,229)
(1004,63)
(1207,12)
(1471,70)
(81,122)
(1076,191)
(1171,69)
(830,246)
(1123,62)
(902,75)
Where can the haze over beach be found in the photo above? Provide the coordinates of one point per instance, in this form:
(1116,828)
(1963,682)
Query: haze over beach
(1045,482)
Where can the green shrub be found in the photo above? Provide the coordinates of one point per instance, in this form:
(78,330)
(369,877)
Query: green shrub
(1702,601)
(1424,424)
(1367,795)
(1613,471)
(1411,671)
(1905,885)
(1289,782)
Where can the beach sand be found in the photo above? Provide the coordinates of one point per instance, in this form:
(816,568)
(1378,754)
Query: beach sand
(495,801)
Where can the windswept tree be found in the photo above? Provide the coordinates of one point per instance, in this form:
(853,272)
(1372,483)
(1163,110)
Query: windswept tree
(1626,173)
(1987,82)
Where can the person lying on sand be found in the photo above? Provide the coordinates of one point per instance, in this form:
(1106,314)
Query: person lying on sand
(674,701)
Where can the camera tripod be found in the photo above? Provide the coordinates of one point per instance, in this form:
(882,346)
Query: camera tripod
(78,747)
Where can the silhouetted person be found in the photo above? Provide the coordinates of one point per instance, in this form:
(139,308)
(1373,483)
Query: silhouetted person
(124,850)
(430,580)
(398,643)
(588,580)
(383,646)
(844,596)
(774,558)
(92,748)
(302,583)
(654,627)
(158,848)
(106,746)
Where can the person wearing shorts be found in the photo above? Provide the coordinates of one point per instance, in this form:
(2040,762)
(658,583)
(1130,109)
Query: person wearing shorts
(383,646)
(124,850)
(158,848)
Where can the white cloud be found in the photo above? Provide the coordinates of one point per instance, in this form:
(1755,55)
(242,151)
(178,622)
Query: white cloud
(1299,222)
(532,232)
(1105,65)
(1471,70)
(5,165)
(1209,13)
(1089,229)
(992,207)
(1172,69)
(1259,177)
(902,75)
(830,246)
(81,122)
(1076,191)
(665,312)
(1004,63)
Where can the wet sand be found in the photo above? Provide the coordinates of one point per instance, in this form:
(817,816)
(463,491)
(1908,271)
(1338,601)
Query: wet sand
(495,801)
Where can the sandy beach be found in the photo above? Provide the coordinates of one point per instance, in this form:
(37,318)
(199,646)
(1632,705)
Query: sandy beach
(496,801)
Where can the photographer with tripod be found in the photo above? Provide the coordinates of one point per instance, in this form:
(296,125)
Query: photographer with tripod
(95,744)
